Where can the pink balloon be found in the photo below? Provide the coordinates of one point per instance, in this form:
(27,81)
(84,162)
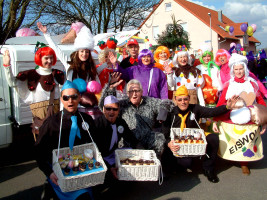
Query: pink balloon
(232,45)
(23,32)
(94,87)
(231,33)
(254,26)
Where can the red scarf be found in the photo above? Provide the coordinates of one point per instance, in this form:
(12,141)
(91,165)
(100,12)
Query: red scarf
(132,60)
(240,80)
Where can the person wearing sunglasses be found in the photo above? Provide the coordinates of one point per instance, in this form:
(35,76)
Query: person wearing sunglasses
(141,113)
(112,133)
(185,115)
(73,125)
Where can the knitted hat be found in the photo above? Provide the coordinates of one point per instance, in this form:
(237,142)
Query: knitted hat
(181,91)
(110,99)
(84,39)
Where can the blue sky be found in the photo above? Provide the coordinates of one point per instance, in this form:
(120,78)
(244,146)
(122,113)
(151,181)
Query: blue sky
(251,11)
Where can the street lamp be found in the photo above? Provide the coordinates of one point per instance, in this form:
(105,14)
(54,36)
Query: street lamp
(210,32)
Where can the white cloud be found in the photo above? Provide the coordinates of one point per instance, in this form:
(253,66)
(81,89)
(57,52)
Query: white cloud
(251,11)
(202,4)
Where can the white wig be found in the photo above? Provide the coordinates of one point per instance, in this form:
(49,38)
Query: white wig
(181,53)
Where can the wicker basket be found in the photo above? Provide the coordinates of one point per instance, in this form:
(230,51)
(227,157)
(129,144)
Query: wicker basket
(191,149)
(137,172)
(77,182)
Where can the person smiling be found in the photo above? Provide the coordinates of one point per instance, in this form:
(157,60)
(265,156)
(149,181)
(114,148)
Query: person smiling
(153,80)
(37,87)
(81,64)
(140,113)
(112,133)
(185,115)
(185,74)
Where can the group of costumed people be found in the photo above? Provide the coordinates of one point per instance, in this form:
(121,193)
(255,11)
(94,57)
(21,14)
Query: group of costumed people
(154,94)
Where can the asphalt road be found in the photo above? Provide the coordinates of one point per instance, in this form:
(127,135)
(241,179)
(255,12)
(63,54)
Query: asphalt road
(21,179)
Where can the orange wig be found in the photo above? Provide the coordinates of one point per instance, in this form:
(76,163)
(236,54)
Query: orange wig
(159,50)
(44,51)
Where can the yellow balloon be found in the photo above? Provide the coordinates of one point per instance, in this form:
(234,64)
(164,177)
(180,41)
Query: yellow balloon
(227,28)
(244,53)
(249,30)
(250,34)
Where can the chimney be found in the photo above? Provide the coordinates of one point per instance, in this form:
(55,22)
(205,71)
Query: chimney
(220,15)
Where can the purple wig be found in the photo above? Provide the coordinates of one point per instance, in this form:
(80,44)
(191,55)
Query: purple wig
(145,52)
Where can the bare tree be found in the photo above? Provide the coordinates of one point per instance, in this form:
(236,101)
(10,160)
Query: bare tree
(98,15)
(14,13)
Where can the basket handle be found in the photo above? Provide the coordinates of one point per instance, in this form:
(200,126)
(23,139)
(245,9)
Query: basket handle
(60,128)
(87,128)
(193,116)
(160,176)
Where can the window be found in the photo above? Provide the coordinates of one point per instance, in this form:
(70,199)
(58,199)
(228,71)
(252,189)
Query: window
(168,7)
(155,33)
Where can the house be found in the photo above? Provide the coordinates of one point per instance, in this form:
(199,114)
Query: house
(204,25)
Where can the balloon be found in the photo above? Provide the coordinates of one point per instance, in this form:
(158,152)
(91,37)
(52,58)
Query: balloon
(23,32)
(254,26)
(244,53)
(227,28)
(238,46)
(231,29)
(250,34)
(244,27)
(250,31)
(231,33)
(81,84)
(94,87)
(232,45)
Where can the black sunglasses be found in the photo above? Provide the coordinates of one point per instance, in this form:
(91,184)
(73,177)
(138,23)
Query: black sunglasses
(109,109)
(67,97)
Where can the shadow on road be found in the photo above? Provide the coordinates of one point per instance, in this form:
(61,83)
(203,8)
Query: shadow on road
(30,194)
(15,170)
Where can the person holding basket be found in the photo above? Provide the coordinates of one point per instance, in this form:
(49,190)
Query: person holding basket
(186,115)
(67,128)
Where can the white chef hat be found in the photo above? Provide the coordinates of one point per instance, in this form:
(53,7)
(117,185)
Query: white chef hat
(84,39)
(237,59)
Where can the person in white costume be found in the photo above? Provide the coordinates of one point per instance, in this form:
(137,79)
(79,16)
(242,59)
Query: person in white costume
(80,64)
(183,73)
(37,87)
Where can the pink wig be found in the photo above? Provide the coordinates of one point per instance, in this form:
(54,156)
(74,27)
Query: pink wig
(222,52)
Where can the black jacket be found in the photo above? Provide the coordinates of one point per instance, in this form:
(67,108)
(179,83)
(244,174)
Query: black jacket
(199,111)
(125,63)
(104,135)
(49,136)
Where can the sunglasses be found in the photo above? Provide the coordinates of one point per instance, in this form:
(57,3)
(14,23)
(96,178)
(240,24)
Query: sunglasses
(109,109)
(67,97)
(183,99)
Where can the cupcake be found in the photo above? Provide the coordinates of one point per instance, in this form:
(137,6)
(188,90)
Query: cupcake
(97,164)
(147,162)
(75,169)
(90,165)
(82,166)
(66,171)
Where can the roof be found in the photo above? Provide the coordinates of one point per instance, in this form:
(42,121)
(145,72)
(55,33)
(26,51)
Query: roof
(201,13)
